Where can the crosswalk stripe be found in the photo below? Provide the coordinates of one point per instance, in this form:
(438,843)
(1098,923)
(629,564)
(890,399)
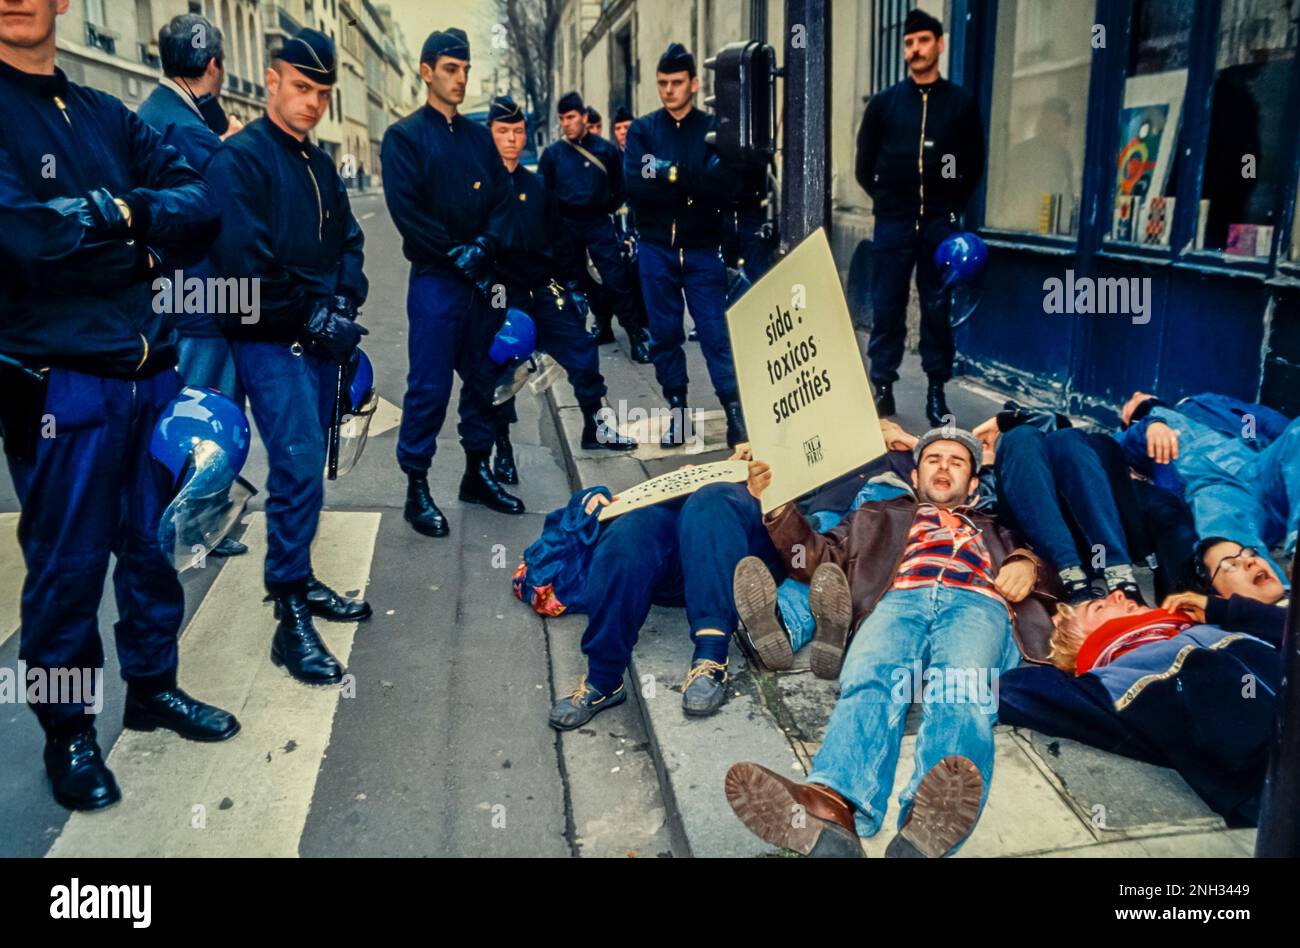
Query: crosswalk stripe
(12,572)
(248,796)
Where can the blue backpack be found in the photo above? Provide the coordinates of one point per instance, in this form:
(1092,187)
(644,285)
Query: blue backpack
(553,575)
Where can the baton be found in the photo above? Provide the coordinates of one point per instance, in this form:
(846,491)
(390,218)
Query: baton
(336,423)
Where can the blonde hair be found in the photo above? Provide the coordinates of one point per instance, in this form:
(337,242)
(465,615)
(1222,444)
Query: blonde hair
(1067,638)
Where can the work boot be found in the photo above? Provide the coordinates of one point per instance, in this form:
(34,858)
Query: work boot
(176,711)
(705,688)
(766,803)
(78,775)
(597,435)
(640,342)
(503,466)
(421,512)
(327,604)
(603,334)
(736,433)
(936,406)
(831,603)
(296,646)
(478,486)
(754,590)
(944,811)
(576,709)
(884,398)
(678,421)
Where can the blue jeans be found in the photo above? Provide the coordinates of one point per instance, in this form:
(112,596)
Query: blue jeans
(680,553)
(670,281)
(292,405)
(792,600)
(1052,487)
(935,630)
(93,491)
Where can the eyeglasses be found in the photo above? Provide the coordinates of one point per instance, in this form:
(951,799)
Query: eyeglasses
(1229,565)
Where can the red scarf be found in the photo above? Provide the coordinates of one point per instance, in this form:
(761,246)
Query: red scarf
(1125,633)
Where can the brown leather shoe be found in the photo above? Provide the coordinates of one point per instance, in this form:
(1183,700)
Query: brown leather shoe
(945,810)
(807,818)
(831,603)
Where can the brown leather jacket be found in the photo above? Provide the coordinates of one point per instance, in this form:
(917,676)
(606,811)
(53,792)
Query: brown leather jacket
(869,545)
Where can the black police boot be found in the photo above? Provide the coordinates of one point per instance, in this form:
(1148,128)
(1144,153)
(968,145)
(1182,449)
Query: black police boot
(421,512)
(596,435)
(174,710)
(78,775)
(678,419)
(884,398)
(478,486)
(326,603)
(640,340)
(604,331)
(503,466)
(736,432)
(936,405)
(296,646)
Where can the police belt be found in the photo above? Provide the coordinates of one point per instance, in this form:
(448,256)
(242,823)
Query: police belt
(521,296)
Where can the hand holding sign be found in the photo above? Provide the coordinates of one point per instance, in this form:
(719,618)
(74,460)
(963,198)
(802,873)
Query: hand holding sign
(678,483)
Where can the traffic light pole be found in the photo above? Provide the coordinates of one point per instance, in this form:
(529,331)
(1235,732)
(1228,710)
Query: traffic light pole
(805,167)
(1279,811)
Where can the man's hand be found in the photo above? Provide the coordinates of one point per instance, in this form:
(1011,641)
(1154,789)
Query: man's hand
(1015,581)
(333,335)
(1193,604)
(595,502)
(760,476)
(233,127)
(896,439)
(741,452)
(1162,443)
(987,433)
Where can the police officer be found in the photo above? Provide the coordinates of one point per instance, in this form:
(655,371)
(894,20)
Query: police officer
(676,185)
(530,266)
(917,198)
(287,223)
(594,122)
(185,111)
(623,119)
(585,173)
(451,199)
(91,204)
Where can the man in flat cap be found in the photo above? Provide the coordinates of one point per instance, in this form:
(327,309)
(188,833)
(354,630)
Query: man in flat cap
(916,204)
(287,223)
(585,173)
(536,260)
(677,186)
(451,200)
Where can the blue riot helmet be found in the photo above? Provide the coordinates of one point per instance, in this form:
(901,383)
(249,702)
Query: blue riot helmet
(202,440)
(361,401)
(960,260)
(515,340)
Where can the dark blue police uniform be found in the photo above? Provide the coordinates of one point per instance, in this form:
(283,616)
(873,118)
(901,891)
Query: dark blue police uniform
(99,361)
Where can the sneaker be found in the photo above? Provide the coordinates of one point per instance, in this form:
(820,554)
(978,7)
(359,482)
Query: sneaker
(705,688)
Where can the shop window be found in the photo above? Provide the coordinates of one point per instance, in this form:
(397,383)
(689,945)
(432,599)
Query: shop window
(1249,143)
(1150,120)
(1040,100)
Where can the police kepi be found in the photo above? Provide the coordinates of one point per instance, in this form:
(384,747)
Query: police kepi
(287,223)
(450,197)
(86,369)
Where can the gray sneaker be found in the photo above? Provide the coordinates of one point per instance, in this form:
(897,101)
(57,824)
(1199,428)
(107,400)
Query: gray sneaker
(705,688)
(576,709)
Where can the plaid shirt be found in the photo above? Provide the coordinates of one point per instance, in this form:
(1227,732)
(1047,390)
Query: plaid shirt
(945,547)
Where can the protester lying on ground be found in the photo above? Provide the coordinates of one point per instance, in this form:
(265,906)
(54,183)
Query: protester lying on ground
(1239,587)
(679,553)
(1236,464)
(1165,687)
(1070,493)
(941,595)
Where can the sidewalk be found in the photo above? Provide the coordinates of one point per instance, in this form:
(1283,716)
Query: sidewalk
(1049,797)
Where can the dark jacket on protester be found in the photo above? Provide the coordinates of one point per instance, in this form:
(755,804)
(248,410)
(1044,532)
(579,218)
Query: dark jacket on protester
(869,545)
(285,221)
(686,214)
(906,122)
(445,187)
(66,300)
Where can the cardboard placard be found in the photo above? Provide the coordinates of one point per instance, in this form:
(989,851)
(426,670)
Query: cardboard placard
(808,404)
(678,483)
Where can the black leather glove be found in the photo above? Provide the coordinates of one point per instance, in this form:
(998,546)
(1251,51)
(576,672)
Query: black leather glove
(344,307)
(472,260)
(331,334)
(580,301)
(97,213)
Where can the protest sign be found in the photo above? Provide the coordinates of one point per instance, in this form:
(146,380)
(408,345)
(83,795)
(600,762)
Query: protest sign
(807,402)
(678,483)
